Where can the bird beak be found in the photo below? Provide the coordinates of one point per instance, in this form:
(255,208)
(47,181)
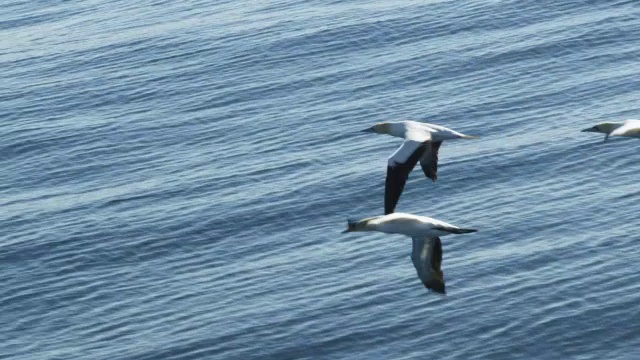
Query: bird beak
(346,231)
(588,130)
(367,130)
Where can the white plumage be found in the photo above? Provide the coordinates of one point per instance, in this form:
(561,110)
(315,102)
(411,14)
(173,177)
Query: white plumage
(425,233)
(421,143)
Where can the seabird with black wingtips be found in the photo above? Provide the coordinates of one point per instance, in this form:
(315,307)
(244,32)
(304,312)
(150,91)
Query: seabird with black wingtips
(425,233)
(421,143)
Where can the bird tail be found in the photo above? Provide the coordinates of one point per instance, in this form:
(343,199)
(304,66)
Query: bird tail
(455,230)
(462,231)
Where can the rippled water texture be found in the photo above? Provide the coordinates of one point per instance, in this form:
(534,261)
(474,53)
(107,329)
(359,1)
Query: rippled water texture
(176,174)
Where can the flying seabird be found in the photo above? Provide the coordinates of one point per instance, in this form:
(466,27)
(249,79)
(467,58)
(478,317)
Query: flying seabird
(425,233)
(421,143)
(629,128)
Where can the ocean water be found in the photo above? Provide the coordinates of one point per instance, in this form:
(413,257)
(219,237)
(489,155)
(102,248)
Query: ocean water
(176,175)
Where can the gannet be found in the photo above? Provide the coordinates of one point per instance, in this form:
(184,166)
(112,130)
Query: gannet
(425,233)
(629,128)
(421,142)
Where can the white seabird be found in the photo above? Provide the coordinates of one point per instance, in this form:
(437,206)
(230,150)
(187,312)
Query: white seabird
(425,233)
(421,142)
(628,128)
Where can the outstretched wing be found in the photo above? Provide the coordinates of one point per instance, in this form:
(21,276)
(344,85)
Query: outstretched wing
(399,166)
(429,160)
(427,259)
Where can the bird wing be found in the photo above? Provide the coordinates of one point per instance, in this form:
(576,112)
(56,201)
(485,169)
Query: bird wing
(399,166)
(429,160)
(629,128)
(427,259)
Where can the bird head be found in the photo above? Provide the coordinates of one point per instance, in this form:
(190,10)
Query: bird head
(379,128)
(352,225)
(604,128)
(358,225)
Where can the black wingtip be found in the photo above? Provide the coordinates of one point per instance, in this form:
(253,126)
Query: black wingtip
(436,287)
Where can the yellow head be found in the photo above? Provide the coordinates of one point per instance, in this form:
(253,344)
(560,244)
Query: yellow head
(605,128)
(358,225)
(379,128)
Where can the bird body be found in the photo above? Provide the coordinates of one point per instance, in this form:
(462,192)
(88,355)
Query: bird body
(425,232)
(422,142)
(417,131)
(405,224)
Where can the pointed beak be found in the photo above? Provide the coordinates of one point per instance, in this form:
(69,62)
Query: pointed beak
(346,231)
(588,130)
(367,130)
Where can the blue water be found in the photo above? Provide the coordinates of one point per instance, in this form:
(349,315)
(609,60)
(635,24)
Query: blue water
(176,174)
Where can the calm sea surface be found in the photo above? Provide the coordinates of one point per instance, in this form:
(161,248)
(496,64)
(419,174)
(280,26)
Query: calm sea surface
(175,176)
